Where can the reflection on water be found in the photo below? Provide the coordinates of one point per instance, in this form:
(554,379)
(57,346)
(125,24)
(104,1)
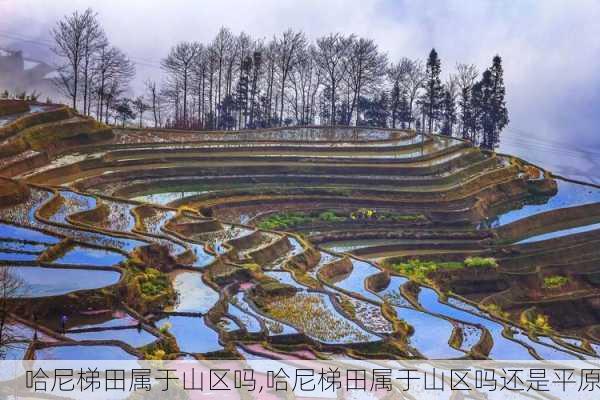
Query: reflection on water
(80,255)
(44,282)
(355,281)
(192,334)
(560,233)
(78,352)
(347,246)
(193,294)
(132,336)
(569,195)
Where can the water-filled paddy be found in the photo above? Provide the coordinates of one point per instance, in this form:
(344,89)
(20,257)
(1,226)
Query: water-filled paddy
(392,292)
(15,351)
(503,349)
(153,224)
(192,334)
(284,277)
(431,335)
(73,203)
(193,294)
(44,282)
(560,233)
(355,281)
(228,325)
(202,258)
(103,320)
(19,233)
(17,256)
(569,195)
(544,351)
(120,217)
(80,255)
(347,246)
(80,352)
(166,197)
(19,246)
(132,336)
(273,327)
(317,317)
(248,321)
(24,215)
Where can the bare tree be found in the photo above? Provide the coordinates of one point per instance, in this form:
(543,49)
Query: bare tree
(179,64)
(246,45)
(271,67)
(466,77)
(305,82)
(257,69)
(115,71)
(287,49)
(70,35)
(155,102)
(141,107)
(10,287)
(366,68)
(93,41)
(331,57)
(221,47)
(239,82)
(410,76)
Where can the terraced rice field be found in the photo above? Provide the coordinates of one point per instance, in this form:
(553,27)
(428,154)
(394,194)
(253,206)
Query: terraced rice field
(292,243)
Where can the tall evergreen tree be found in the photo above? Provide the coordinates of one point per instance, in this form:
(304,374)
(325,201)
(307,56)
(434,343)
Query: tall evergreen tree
(395,103)
(485,110)
(433,97)
(466,78)
(376,110)
(448,113)
(474,122)
(404,110)
(497,105)
(242,91)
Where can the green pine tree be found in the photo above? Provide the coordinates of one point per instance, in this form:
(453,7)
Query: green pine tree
(433,97)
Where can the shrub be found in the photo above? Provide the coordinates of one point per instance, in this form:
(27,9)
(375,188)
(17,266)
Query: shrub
(495,309)
(154,282)
(330,216)
(419,270)
(148,288)
(157,354)
(165,328)
(535,322)
(481,262)
(555,281)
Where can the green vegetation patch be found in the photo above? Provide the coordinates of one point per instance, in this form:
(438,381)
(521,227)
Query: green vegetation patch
(555,281)
(293,219)
(148,288)
(535,322)
(419,270)
(481,262)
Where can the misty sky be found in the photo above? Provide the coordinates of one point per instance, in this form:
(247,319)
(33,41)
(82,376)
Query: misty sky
(550,48)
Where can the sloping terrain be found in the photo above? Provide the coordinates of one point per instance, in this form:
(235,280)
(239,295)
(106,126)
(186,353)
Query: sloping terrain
(296,242)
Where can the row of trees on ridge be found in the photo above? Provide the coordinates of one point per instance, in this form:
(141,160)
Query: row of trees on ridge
(240,82)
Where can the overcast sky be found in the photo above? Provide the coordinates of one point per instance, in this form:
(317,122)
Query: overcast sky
(550,48)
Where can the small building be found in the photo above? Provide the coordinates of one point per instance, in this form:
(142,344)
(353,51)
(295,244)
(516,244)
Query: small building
(20,74)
